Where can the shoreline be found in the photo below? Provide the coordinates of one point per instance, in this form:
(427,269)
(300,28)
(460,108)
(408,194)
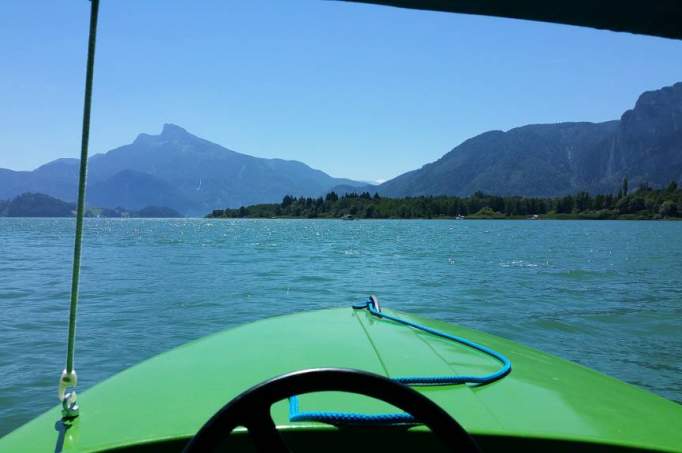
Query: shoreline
(469,218)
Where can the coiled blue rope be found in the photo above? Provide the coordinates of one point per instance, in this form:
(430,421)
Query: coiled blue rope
(338,418)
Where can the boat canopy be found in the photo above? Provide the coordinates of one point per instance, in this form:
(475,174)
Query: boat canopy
(647,17)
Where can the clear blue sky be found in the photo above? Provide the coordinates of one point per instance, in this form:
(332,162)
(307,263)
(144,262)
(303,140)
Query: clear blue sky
(359,91)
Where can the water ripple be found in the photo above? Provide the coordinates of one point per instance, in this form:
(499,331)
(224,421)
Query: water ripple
(605,294)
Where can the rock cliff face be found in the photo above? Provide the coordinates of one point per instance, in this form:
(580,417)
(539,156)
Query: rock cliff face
(555,159)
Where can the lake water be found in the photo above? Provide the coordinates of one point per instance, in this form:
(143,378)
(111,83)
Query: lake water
(604,294)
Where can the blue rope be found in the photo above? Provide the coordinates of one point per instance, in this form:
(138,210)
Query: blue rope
(345,418)
(339,418)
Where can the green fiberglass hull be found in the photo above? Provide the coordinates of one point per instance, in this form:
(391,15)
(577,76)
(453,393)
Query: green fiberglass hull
(544,403)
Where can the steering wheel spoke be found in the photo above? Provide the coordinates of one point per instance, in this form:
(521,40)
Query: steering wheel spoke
(264,434)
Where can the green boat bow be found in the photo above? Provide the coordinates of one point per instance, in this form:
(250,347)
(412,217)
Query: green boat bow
(546,402)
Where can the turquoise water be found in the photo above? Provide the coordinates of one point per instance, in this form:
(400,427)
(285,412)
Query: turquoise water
(604,294)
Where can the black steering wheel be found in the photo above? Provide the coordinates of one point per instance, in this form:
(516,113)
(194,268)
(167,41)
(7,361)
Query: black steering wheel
(251,409)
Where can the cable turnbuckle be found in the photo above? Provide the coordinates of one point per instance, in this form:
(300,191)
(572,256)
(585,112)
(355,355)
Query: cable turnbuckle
(69,399)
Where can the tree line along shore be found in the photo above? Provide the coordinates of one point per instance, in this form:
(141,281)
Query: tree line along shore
(643,203)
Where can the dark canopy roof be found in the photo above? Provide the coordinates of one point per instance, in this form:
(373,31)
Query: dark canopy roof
(647,17)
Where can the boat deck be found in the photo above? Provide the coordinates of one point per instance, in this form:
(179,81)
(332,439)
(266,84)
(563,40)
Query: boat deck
(544,400)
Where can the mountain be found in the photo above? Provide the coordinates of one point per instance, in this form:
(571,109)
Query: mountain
(644,145)
(57,178)
(192,175)
(174,169)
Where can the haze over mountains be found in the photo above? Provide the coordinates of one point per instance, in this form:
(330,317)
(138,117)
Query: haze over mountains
(178,170)
(174,169)
(557,159)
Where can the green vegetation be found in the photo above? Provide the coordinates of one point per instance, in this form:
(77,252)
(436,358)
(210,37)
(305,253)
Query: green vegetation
(41,205)
(643,203)
(36,205)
